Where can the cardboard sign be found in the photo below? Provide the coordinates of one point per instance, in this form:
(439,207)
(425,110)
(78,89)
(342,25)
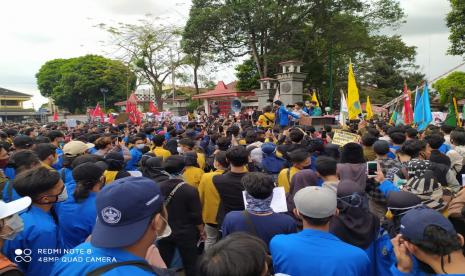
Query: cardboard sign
(305,121)
(71,123)
(343,137)
(122,118)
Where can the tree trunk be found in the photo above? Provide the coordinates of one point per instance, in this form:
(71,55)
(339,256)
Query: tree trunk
(255,56)
(158,91)
(196,69)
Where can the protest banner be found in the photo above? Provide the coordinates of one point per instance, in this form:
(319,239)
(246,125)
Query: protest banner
(343,137)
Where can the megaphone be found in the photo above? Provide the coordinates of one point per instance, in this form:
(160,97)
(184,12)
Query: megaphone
(236,105)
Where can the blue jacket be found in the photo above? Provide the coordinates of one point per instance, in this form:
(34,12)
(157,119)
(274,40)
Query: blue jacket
(95,257)
(77,219)
(136,155)
(10,172)
(40,233)
(282,116)
(313,252)
(66,175)
(9,193)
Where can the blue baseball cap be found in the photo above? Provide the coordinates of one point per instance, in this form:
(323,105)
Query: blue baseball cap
(413,224)
(124,210)
(268,148)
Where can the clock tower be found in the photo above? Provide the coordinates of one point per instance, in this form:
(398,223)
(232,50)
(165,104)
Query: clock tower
(291,82)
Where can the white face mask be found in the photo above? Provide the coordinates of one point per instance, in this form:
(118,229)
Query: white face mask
(16,224)
(140,146)
(166,232)
(180,151)
(63,196)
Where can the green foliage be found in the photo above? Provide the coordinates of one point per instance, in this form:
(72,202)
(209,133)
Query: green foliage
(75,83)
(247,76)
(192,106)
(456,23)
(452,85)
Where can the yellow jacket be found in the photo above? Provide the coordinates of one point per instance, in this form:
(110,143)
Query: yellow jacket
(161,152)
(110,176)
(284,178)
(209,197)
(192,175)
(201,160)
(266,120)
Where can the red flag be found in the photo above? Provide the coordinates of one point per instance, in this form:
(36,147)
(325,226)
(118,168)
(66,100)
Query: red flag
(153,109)
(97,112)
(131,108)
(111,120)
(408,112)
(55,116)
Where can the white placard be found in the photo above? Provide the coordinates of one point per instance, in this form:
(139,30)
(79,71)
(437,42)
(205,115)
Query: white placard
(278,203)
(71,123)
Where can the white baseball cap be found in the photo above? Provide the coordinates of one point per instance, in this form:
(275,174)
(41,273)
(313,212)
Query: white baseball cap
(13,207)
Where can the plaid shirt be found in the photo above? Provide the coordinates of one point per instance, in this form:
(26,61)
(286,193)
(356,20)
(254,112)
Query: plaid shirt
(389,167)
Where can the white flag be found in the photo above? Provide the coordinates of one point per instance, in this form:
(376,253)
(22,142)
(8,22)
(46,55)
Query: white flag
(344,113)
(276,96)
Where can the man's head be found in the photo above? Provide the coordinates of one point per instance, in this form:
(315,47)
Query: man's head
(174,164)
(31,132)
(139,141)
(237,254)
(258,185)
(427,233)
(300,158)
(446,129)
(368,140)
(159,140)
(411,133)
(42,185)
(186,145)
(56,137)
(23,142)
(316,206)
(381,148)
(137,220)
(296,136)
(397,138)
(237,156)
(24,160)
(434,141)
(76,148)
(326,166)
(278,103)
(457,137)
(221,161)
(299,105)
(47,153)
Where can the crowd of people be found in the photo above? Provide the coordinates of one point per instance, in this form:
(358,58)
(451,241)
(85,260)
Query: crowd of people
(196,197)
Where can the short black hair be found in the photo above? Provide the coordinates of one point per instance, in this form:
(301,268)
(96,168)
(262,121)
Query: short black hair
(447,129)
(258,185)
(139,136)
(411,148)
(397,138)
(44,150)
(41,140)
(411,133)
(435,141)
(23,160)
(381,147)
(437,241)
(35,181)
(457,137)
(187,142)
(296,135)
(158,140)
(174,164)
(28,131)
(52,135)
(223,143)
(221,158)
(368,139)
(238,156)
(298,156)
(326,165)
(251,136)
(237,254)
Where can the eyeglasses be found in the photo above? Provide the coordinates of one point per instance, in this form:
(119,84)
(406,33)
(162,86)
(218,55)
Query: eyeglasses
(354,200)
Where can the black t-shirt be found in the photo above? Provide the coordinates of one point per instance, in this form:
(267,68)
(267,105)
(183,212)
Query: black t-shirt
(230,189)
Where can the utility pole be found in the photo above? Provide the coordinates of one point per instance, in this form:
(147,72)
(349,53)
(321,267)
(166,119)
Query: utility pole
(104,92)
(173,88)
(331,76)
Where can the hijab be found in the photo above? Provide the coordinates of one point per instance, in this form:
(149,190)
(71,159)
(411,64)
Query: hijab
(300,180)
(398,203)
(152,168)
(354,224)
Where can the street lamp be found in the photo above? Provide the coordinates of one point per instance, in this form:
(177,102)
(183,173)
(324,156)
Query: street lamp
(104,92)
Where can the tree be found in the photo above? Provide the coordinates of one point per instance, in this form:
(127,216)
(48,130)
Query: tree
(452,85)
(75,83)
(247,75)
(151,49)
(456,23)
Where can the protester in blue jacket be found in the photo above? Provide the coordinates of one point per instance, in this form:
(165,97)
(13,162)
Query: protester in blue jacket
(45,188)
(282,114)
(136,152)
(77,215)
(57,138)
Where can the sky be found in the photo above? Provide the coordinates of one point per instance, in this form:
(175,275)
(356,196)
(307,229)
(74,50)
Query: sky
(50,29)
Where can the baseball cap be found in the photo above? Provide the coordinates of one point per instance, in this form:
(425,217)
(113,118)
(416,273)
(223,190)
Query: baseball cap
(75,148)
(87,171)
(316,202)
(121,222)
(381,147)
(413,224)
(23,141)
(13,207)
(268,148)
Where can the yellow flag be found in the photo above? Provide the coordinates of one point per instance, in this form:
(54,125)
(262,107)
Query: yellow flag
(315,99)
(353,102)
(368,109)
(457,114)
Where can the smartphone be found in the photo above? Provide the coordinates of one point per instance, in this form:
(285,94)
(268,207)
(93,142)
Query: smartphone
(323,134)
(372,168)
